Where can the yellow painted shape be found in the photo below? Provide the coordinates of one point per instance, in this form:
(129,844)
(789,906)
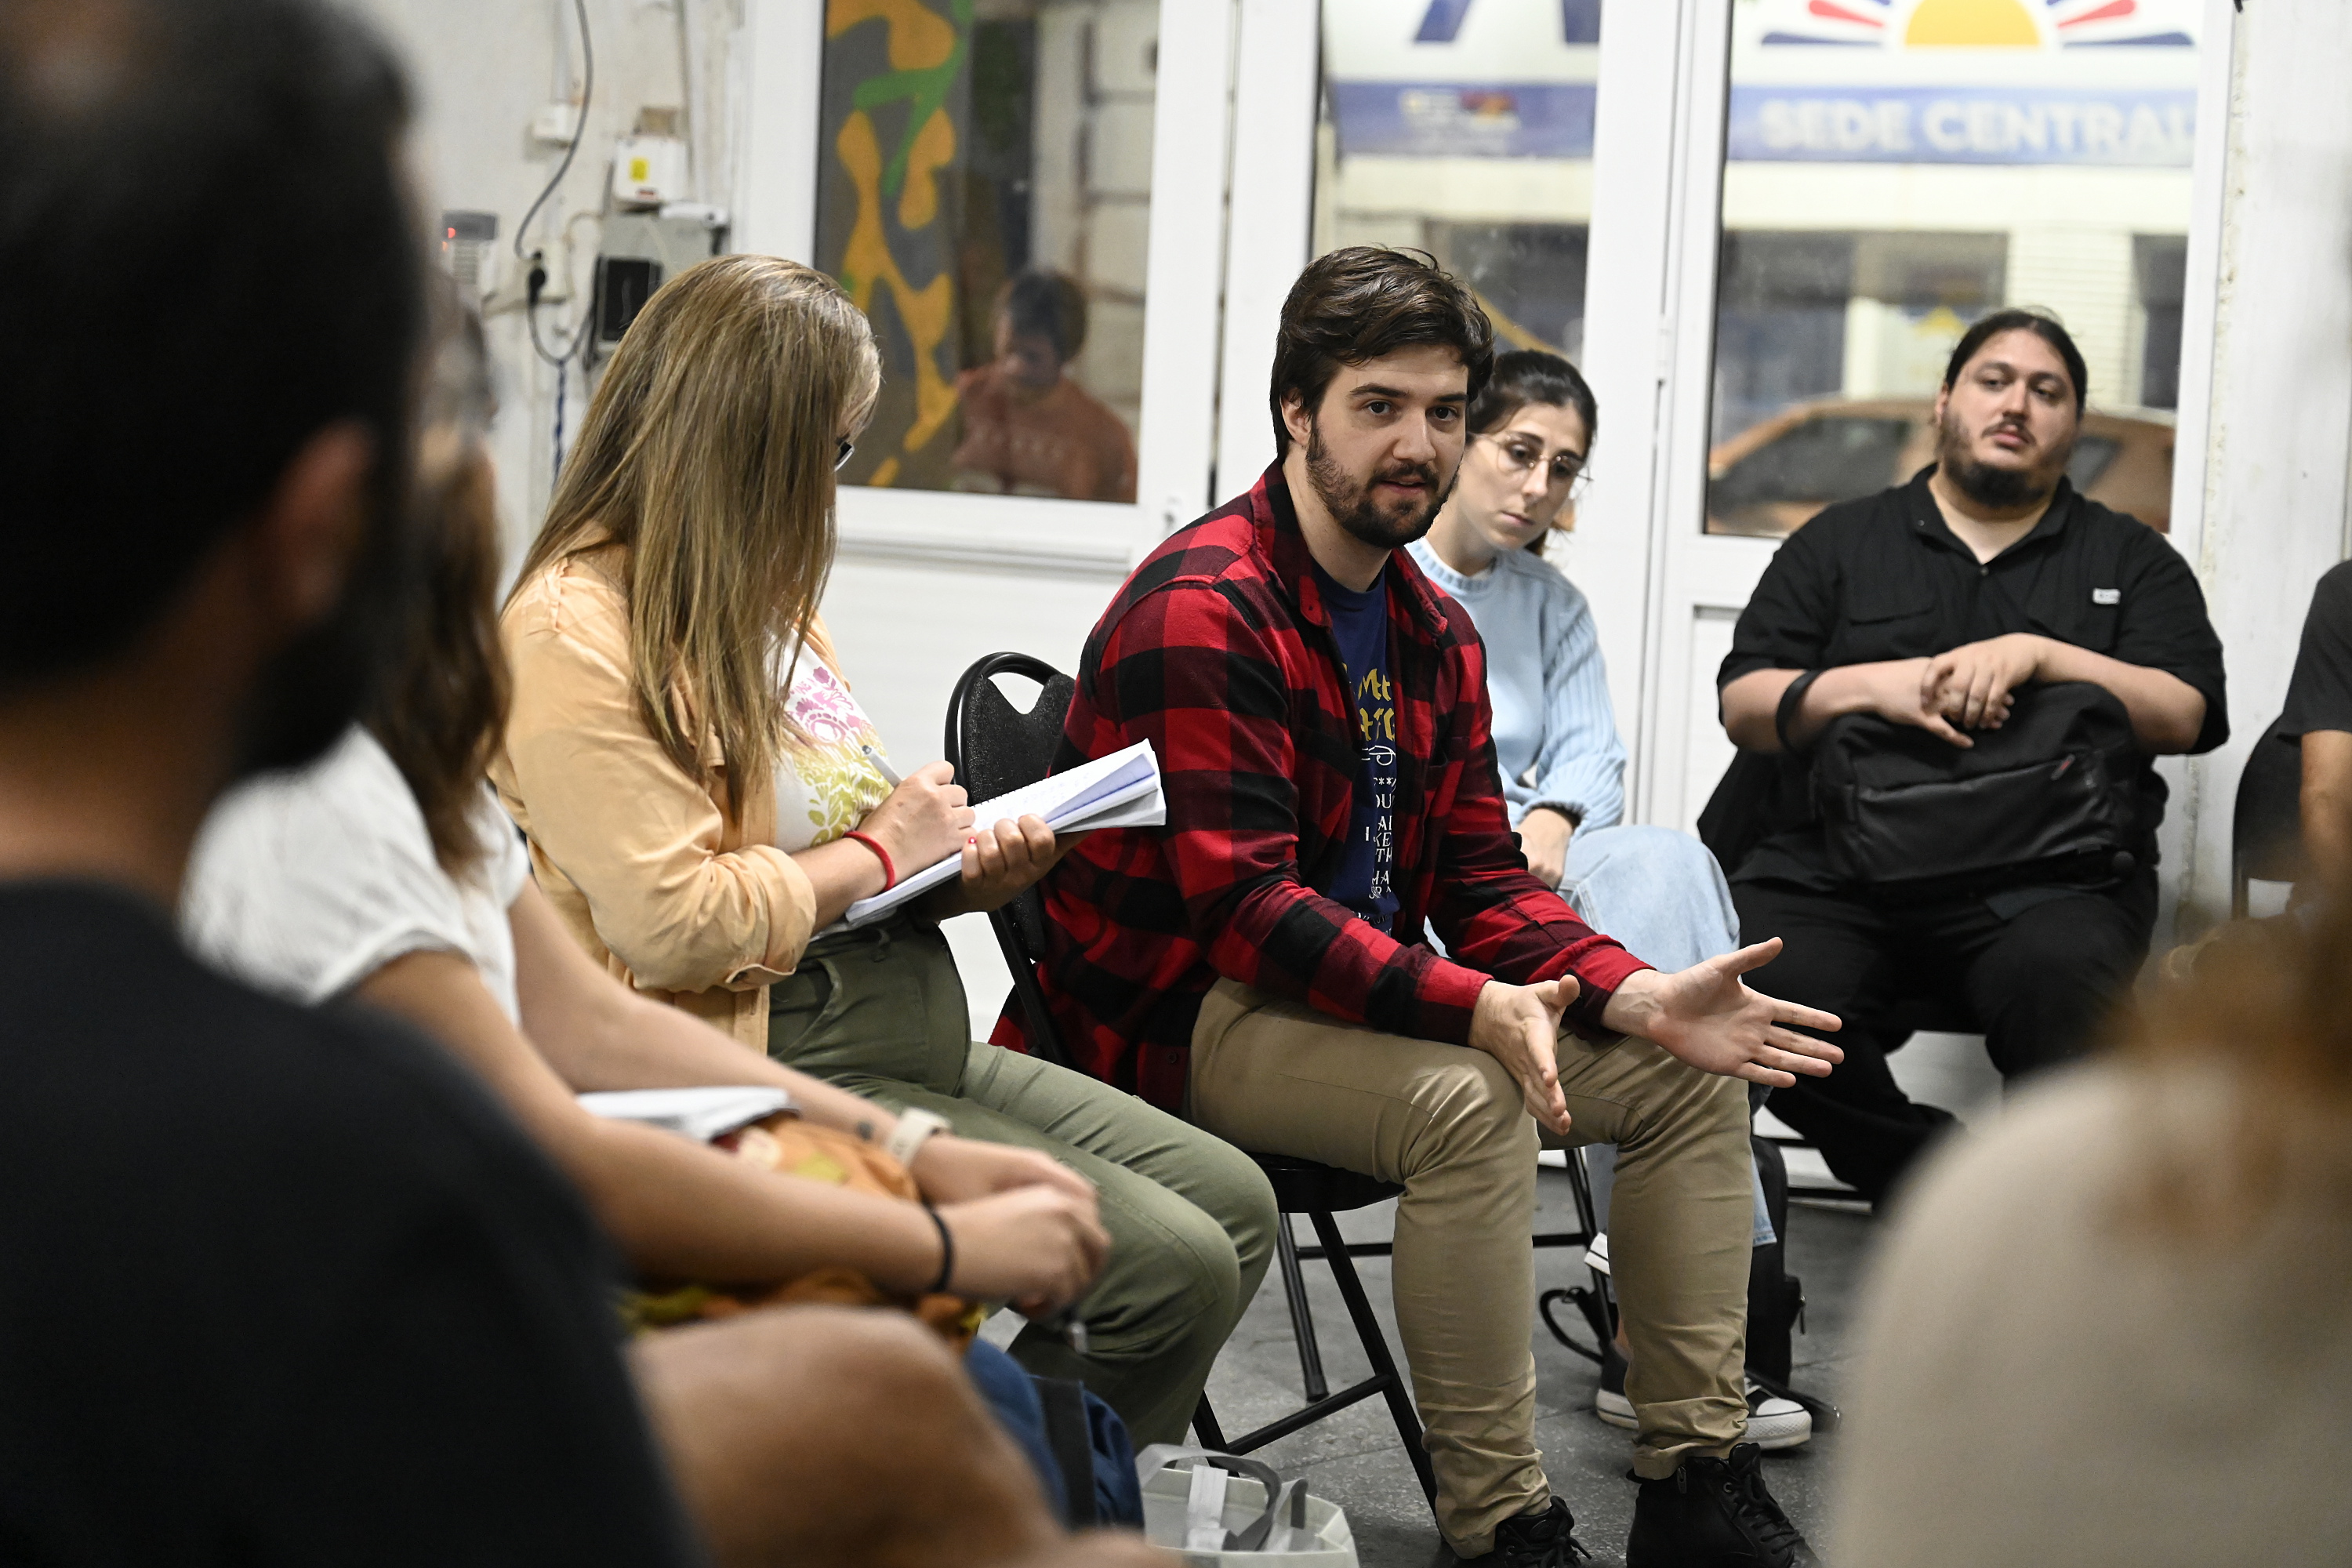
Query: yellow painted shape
(886,473)
(866,260)
(934,149)
(1972,23)
(920,38)
(822,1168)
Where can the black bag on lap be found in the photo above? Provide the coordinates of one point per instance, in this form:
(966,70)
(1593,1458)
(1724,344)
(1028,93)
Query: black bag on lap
(2055,788)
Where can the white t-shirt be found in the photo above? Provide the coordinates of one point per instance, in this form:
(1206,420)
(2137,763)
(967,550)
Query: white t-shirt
(307,883)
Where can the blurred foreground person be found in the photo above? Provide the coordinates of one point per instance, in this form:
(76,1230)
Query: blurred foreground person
(274,1286)
(2113,1331)
(282,1286)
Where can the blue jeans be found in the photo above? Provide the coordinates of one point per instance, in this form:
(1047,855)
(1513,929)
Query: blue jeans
(1660,893)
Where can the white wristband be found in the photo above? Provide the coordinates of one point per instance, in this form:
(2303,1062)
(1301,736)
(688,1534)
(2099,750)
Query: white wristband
(914,1127)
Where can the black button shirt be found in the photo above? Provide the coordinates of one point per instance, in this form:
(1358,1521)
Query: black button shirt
(1885,578)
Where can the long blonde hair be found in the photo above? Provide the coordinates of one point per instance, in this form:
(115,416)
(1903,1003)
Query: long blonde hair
(707,457)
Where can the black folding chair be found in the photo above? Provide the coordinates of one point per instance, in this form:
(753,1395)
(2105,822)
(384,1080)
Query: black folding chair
(995,747)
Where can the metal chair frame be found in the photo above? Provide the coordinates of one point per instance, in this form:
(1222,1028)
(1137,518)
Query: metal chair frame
(1320,1192)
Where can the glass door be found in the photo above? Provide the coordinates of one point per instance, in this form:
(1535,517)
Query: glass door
(1007,188)
(1882,173)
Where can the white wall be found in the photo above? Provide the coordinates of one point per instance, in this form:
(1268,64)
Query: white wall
(2275,480)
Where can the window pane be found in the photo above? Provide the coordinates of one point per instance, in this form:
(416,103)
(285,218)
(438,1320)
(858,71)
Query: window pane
(1464,128)
(1897,169)
(984,192)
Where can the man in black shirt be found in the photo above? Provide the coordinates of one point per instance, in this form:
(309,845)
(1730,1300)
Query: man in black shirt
(278,1286)
(2319,713)
(1932,604)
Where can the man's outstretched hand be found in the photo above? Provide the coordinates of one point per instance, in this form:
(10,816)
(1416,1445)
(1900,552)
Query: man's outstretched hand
(1706,1016)
(1518,1026)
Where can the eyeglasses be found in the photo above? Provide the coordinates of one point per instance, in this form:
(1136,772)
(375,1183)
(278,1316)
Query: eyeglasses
(1518,455)
(841,459)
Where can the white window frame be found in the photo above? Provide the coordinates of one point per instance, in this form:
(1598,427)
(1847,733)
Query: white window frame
(776,214)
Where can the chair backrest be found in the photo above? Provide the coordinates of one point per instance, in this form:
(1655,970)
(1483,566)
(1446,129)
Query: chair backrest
(2266,820)
(995,747)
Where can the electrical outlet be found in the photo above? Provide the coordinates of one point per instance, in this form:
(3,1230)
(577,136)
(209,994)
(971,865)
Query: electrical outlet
(555,123)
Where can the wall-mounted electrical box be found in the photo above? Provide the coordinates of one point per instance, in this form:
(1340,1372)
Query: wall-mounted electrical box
(640,250)
(469,250)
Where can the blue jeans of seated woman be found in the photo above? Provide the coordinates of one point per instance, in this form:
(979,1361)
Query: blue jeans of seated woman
(1661,895)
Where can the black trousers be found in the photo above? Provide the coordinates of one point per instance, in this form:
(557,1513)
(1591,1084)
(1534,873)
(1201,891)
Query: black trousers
(2037,971)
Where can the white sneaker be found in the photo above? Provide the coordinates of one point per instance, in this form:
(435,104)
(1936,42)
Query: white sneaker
(1773,1423)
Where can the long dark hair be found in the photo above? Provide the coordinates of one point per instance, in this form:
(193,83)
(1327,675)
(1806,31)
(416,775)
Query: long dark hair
(1525,377)
(442,705)
(2017,320)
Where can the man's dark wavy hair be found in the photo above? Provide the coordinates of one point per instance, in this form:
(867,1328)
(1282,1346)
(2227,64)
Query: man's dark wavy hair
(2041,325)
(167,361)
(1355,305)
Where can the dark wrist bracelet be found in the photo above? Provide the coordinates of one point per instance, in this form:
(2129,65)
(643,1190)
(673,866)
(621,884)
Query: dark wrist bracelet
(1791,699)
(939,1286)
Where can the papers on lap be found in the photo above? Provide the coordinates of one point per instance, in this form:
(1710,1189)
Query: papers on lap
(1121,790)
(702,1112)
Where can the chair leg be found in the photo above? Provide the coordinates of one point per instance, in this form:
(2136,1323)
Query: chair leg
(1376,1348)
(1580,1186)
(1302,1320)
(1205,1428)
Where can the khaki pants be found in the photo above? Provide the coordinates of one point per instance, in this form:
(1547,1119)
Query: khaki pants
(881,1013)
(1447,1125)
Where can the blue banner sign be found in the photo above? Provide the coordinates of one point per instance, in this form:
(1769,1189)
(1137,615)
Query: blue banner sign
(1464,119)
(2151,128)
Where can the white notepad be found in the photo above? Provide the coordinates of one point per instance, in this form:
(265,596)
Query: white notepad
(1121,790)
(702,1112)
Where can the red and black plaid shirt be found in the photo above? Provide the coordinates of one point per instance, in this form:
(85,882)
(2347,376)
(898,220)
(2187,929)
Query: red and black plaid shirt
(1218,651)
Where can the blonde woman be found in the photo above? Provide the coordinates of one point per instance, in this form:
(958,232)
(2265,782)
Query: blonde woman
(691,772)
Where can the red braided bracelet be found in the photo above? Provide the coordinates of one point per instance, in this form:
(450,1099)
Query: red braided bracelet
(889,871)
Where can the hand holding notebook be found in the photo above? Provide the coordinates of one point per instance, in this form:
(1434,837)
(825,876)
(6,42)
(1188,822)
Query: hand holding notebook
(1121,790)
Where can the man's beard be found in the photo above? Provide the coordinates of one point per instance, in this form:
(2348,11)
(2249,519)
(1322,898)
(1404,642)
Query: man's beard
(1350,500)
(318,686)
(1994,487)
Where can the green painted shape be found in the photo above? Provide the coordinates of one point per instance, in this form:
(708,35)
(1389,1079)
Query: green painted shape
(924,92)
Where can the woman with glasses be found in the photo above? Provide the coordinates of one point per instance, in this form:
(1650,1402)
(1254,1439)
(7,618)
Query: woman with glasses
(1657,891)
(703,799)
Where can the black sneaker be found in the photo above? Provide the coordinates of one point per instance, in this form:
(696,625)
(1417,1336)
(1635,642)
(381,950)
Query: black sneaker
(1545,1539)
(1714,1512)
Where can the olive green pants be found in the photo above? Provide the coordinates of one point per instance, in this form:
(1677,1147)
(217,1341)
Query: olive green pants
(881,1013)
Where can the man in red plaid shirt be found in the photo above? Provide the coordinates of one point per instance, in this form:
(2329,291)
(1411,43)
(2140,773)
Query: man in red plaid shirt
(1319,710)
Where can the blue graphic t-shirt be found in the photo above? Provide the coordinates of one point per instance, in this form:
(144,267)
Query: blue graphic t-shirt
(1359,622)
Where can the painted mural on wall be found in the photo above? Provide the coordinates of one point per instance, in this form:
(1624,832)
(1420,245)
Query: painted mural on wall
(898,109)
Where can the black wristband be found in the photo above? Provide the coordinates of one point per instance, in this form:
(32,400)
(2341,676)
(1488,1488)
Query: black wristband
(939,1286)
(1791,698)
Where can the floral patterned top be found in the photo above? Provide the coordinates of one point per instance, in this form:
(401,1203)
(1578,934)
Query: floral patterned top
(825,784)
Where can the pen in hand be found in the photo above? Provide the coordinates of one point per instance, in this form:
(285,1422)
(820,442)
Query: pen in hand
(881,766)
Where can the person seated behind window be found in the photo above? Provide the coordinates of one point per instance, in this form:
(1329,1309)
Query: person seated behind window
(1322,724)
(1657,891)
(2319,711)
(1028,428)
(703,799)
(386,872)
(1934,604)
(2112,1331)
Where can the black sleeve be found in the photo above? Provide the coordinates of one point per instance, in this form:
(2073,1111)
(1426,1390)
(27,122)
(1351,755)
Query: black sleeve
(454,1388)
(2164,627)
(2319,695)
(1791,615)
(473,1409)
